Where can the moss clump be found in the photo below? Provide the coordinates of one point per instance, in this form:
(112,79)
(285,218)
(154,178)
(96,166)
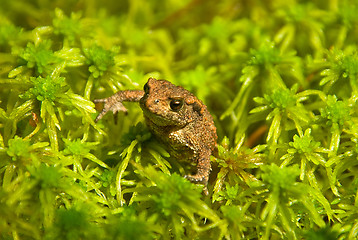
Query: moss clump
(45,88)
(279,77)
(39,56)
(99,59)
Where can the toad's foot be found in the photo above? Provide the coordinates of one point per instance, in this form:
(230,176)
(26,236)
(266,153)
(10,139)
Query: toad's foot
(201,178)
(114,102)
(110,104)
(197,178)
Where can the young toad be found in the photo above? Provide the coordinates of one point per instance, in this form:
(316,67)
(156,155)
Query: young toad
(177,118)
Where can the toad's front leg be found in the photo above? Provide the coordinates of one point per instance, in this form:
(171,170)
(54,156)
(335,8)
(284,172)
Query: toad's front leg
(114,102)
(203,169)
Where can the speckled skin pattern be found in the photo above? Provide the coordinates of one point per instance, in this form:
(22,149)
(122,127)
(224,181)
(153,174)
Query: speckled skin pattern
(177,118)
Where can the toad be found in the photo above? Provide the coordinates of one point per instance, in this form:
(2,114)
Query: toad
(176,118)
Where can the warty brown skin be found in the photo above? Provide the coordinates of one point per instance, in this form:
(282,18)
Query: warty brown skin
(177,118)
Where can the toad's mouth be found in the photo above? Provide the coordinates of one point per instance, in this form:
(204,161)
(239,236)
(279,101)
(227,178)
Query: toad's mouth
(156,119)
(161,120)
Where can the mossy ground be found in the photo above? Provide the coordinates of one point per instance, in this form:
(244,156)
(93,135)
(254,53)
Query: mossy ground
(280,78)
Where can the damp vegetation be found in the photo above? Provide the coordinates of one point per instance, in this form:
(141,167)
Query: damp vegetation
(279,77)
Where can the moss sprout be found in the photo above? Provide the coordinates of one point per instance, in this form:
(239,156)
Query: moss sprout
(9,33)
(336,112)
(40,56)
(68,27)
(99,59)
(279,78)
(45,88)
(341,69)
(18,147)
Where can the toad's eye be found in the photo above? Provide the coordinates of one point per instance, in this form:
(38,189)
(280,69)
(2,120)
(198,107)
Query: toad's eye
(176,104)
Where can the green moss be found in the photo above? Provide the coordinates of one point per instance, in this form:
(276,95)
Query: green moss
(279,77)
(72,224)
(76,147)
(341,69)
(107,177)
(18,147)
(45,88)
(8,33)
(267,54)
(304,144)
(321,234)
(39,56)
(68,27)
(47,176)
(172,193)
(336,112)
(281,99)
(279,179)
(99,59)
(131,225)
